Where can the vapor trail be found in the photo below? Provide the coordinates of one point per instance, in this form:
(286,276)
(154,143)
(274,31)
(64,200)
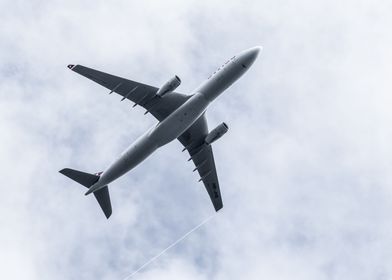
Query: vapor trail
(168,248)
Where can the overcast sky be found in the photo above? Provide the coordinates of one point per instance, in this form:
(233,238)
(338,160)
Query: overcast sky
(305,169)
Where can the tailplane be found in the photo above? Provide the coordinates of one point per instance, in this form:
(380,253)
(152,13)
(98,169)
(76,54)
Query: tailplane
(88,180)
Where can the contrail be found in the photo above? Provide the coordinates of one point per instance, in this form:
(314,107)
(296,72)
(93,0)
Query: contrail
(168,248)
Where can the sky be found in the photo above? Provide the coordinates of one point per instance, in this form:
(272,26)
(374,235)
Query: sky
(304,169)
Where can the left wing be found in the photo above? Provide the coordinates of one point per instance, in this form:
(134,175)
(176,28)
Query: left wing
(140,94)
(203,158)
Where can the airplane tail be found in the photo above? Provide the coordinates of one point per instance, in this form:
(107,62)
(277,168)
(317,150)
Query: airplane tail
(88,180)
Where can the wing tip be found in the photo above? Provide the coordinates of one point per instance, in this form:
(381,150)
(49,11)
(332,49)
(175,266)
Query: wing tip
(108,213)
(62,171)
(71,66)
(218,207)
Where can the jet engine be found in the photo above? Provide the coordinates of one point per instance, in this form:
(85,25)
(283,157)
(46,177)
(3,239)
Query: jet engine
(216,133)
(169,86)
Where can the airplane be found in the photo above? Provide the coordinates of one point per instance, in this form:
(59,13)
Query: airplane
(179,117)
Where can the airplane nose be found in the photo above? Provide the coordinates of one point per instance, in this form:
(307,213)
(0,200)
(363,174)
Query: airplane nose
(249,56)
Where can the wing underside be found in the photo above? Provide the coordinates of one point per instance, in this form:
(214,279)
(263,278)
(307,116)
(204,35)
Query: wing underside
(203,158)
(139,93)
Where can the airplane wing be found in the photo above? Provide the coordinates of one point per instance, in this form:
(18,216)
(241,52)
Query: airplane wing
(203,158)
(140,94)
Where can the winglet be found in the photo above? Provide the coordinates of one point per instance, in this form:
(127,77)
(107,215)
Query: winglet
(71,66)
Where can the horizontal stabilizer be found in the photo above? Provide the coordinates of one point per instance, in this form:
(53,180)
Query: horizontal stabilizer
(82,178)
(103,199)
(87,180)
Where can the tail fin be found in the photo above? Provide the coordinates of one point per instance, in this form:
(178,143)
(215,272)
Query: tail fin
(88,180)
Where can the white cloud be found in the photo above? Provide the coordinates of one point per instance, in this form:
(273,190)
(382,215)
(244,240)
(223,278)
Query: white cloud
(304,169)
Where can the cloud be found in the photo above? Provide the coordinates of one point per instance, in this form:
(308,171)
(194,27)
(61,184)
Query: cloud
(304,169)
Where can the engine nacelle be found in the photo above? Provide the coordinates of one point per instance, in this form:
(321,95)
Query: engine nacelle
(216,133)
(169,86)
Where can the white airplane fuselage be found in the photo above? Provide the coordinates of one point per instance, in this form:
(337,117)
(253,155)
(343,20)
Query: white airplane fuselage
(180,120)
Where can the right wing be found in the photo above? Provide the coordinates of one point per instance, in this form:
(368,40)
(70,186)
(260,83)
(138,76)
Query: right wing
(140,94)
